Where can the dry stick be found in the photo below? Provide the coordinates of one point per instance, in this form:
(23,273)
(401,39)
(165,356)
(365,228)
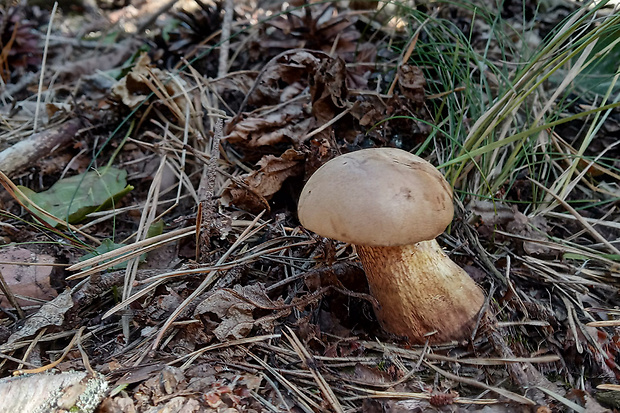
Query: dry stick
(37,146)
(380,394)
(183,232)
(149,20)
(83,353)
(206,192)
(55,363)
(225,42)
(31,346)
(308,362)
(304,401)
(209,279)
(43,62)
(579,218)
(191,357)
(4,287)
(475,383)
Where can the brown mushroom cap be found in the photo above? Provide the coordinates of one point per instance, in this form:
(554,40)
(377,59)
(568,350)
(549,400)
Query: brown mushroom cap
(377,197)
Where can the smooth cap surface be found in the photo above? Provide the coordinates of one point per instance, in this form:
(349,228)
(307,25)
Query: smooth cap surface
(377,197)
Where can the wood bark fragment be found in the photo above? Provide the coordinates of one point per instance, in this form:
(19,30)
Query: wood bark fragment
(37,146)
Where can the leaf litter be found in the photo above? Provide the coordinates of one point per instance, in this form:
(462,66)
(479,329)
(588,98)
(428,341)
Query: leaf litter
(250,312)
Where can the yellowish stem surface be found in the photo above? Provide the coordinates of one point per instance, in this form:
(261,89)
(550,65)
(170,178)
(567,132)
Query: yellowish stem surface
(421,290)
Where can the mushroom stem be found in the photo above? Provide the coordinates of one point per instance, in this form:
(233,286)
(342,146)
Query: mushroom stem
(421,290)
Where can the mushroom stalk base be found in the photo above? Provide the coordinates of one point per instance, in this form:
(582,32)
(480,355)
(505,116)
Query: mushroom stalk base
(420,290)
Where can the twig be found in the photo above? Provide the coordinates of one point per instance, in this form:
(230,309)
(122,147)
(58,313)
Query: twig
(229,11)
(43,62)
(149,20)
(579,218)
(309,363)
(55,363)
(206,193)
(508,394)
(39,145)
(4,287)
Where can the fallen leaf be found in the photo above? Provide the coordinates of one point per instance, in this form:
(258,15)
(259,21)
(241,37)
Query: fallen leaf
(137,86)
(265,181)
(289,125)
(329,90)
(533,228)
(50,314)
(27,280)
(74,197)
(235,313)
(411,83)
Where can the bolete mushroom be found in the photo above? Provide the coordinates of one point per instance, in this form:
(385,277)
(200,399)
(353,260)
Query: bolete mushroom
(392,205)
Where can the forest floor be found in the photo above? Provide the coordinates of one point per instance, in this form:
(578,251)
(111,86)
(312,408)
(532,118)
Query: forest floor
(153,154)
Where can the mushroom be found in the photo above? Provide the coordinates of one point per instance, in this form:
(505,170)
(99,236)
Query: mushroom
(392,205)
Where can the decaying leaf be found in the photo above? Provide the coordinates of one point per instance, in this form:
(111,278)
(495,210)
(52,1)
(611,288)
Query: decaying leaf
(290,69)
(235,310)
(289,124)
(27,280)
(137,85)
(533,228)
(411,82)
(319,28)
(41,393)
(264,182)
(489,213)
(235,315)
(328,89)
(50,314)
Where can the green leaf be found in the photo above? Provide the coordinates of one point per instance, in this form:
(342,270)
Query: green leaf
(156,228)
(72,198)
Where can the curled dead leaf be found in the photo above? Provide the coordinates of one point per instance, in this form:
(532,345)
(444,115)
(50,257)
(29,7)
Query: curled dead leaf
(27,280)
(411,83)
(135,87)
(262,184)
(234,309)
(328,89)
(289,125)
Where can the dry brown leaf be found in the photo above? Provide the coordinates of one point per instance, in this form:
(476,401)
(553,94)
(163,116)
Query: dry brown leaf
(234,311)
(289,124)
(411,82)
(50,314)
(291,69)
(329,90)
(235,315)
(265,182)
(134,88)
(27,280)
(534,228)
(98,63)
